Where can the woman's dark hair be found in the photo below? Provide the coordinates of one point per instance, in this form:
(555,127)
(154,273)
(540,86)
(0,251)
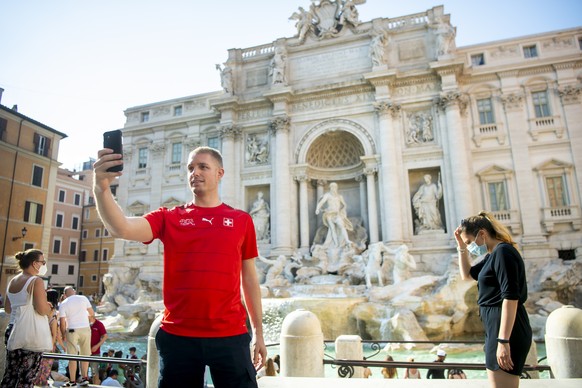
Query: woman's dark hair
(52,296)
(26,258)
(488,222)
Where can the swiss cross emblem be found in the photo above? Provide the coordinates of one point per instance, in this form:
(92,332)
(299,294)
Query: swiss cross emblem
(228,222)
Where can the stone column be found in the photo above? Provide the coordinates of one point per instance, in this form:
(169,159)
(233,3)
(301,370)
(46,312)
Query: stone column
(372,203)
(303,212)
(363,201)
(389,136)
(513,102)
(281,238)
(228,133)
(453,103)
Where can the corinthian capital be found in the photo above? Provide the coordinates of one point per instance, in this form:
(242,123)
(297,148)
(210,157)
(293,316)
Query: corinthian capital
(452,98)
(280,123)
(230,131)
(385,107)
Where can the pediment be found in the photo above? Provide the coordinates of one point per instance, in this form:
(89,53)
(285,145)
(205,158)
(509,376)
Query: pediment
(494,170)
(553,164)
(172,202)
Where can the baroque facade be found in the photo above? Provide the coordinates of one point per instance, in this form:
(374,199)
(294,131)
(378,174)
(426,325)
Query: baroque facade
(387,109)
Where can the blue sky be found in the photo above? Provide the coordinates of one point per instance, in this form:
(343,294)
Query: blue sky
(76,65)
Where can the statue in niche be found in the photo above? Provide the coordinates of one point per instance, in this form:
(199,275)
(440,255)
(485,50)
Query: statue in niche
(226,78)
(260,213)
(277,67)
(445,36)
(425,203)
(258,151)
(304,21)
(335,218)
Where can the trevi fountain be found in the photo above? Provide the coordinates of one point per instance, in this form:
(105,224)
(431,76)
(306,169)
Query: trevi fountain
(356,172)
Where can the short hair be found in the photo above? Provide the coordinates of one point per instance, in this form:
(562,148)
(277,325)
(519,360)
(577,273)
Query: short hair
(113,372)
(132,349)
(69,290)
(211,151)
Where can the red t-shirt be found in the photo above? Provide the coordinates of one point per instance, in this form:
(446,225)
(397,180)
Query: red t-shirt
(97,330)
(203,253)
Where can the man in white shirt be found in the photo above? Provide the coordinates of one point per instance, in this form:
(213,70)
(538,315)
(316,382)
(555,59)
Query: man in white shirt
(74,314)
(111,381)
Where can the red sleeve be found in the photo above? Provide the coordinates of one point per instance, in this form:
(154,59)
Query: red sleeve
(249,248)
(156,220)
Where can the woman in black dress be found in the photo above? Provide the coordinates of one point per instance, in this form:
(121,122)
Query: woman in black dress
(502,292)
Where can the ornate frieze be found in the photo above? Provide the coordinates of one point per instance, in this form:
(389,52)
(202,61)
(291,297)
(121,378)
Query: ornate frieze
(191,143)
(157,148)
(195,105)
(557,43)
(161,111)
(512,101)
(230,131)
(280,123)
(506,51)
(387,107)
(570,94)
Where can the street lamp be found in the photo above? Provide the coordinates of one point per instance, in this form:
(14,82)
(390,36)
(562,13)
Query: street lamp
(23,231)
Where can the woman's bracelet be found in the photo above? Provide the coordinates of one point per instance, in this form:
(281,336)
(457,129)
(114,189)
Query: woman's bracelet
(502,341)
(461,250)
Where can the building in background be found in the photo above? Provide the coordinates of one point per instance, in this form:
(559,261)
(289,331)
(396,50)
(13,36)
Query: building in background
(72,193)
(28,175)
(97,245)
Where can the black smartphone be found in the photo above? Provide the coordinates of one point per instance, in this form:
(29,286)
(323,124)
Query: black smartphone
(113,140)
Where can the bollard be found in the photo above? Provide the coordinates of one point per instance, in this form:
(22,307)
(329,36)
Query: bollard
(349,347)
(301,345)
(564,342)
(153,370)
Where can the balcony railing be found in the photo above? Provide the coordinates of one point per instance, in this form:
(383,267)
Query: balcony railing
(562,214)
(546,124)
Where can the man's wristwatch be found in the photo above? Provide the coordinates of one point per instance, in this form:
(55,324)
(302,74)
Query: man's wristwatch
(502,341)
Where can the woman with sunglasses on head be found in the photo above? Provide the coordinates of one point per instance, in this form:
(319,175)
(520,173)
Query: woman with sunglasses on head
(22,365)
(502,293)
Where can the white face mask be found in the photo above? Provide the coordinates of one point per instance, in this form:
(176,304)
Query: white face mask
(42,270)
(477,250)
